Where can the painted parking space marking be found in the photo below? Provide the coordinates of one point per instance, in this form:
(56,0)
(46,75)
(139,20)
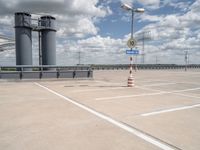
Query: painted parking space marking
(185,95)
(108,82)
(148,89)
(169,110)
(176,93)
(159,84)
(128,96)
(118,87)
(98,89)
(156,142)
(148,94)
(149,81)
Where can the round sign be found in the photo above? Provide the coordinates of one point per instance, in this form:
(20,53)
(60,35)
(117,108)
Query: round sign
(131,43)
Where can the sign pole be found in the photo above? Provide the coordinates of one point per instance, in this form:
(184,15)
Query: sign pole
(130,78)
(131,42)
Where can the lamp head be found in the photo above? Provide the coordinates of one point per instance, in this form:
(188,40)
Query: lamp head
(126,7)
(139,10)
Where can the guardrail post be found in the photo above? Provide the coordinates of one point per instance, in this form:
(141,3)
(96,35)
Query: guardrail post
(74,74)
(41,70)
(0,72)
(21,72)
(58,72)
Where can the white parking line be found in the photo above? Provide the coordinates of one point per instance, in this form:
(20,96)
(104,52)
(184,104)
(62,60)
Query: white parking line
(148,94)
(186,90)
(159,84)
(185,95)
(116,88)
(169,110)
(148,89)
(92,90)
(148,81)
(186,73)
(191,96)
(108,82)
(128,96)
(121,125)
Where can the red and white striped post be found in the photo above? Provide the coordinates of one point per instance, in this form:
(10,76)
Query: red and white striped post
(130,78)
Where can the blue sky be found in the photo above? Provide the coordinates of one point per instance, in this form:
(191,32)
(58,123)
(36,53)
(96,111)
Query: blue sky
(99,29)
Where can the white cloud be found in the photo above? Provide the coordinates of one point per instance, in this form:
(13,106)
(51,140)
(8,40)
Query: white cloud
(195,6)
(150,4)
(130,2)
(95,49)
(150,18)
(74,18)
(78,14)
(172,34)
(78,28)
(183,6)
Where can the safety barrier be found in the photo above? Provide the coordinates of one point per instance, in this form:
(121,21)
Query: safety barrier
(144,66)
(40,72)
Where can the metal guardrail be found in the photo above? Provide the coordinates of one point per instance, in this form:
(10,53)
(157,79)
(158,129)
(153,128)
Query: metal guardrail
(40,72)
(79,71)
(144,66)
(97,67)
(43,67)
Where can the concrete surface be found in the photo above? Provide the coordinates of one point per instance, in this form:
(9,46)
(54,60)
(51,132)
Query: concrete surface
(39,117)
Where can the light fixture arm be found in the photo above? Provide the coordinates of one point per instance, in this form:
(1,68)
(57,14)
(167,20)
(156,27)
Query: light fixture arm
(132,23)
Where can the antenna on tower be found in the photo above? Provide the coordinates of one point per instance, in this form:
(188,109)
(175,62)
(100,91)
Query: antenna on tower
(143,36)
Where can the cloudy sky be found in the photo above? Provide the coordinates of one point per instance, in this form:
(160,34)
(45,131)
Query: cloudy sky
(99,30)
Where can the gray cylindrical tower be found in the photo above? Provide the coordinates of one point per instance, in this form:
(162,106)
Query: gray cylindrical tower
(23,38)
(48,40)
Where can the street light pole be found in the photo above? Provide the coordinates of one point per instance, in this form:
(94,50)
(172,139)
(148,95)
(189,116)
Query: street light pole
(132,23)
(130,78)
(133,10)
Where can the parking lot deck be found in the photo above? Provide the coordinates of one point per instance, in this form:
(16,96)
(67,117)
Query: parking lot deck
(160,112)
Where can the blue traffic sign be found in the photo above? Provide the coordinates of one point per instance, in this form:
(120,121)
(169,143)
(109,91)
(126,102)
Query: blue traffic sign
(132,52)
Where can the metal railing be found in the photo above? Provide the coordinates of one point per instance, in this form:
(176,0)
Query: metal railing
(79,71)
(40,72)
